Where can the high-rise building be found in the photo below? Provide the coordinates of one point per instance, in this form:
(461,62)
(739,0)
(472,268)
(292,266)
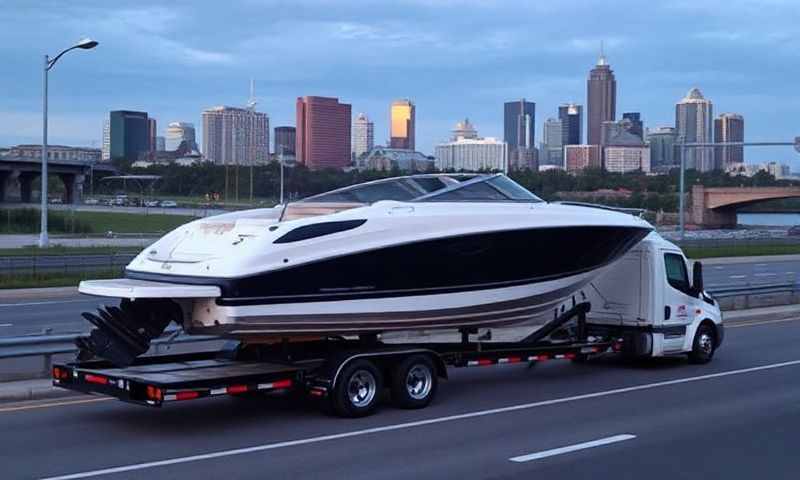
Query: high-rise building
(728,127)
(571,116)
(663,152)
(285,139)
(106,147)
(323,132)
(129,135)
(519,120)
(363,136)
(552,152)
(623,159)
(402,124)
(580,157)
(634,123)
(693,121)
(178,132)
(601,98)
(152,133)
(619,134)
(235,136)
(161,143)
(464,129)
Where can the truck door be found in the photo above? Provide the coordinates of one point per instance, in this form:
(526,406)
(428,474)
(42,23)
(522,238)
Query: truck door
(678,302)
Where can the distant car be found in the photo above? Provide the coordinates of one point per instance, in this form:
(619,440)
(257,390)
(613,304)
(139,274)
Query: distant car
(794,231)
(56,201)
(168,204)
(91,201)
(151,203)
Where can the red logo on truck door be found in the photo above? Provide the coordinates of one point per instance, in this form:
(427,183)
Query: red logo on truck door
(682,311)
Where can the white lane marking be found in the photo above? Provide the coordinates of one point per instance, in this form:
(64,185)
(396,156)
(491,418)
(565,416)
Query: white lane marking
(761,264)
(572,448)
(419,423)
(738,276)
(765,274)
(719,268)
(6,324)
(54,302)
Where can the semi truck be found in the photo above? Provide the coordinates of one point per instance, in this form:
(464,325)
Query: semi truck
(644,305)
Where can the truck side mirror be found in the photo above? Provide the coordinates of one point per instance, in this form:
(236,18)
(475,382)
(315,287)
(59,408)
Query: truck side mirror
(697,277)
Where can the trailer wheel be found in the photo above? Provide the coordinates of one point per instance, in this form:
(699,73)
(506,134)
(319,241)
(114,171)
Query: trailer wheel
(703,346)
(358,390)
(414,382)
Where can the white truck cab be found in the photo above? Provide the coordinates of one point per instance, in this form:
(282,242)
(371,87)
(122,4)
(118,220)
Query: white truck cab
(661,311)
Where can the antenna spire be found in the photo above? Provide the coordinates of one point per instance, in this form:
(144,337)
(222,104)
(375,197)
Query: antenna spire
(252,102)
(602,60)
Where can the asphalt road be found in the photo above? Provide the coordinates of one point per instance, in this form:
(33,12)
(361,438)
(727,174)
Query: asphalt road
(736,418)
(63,315)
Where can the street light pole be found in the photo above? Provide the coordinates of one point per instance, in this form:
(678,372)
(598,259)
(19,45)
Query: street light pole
(85,44)
(43,238)
(681,205)
(280,159)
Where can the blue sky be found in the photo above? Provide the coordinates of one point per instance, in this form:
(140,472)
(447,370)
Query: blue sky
(454,58)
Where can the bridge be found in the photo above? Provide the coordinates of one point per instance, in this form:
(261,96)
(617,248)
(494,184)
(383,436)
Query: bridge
(18,174)
(716,207)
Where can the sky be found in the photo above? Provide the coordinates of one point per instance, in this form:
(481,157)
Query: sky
(453,58)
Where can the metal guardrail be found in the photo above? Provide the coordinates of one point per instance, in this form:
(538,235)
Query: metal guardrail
(64,263)
(764,289)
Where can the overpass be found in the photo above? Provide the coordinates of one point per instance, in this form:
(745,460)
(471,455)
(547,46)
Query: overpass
(716,207)
(17,176)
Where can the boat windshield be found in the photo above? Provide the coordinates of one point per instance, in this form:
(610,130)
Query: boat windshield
(431,188)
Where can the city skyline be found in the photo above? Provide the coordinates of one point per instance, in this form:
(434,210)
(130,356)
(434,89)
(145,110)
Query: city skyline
(125,74)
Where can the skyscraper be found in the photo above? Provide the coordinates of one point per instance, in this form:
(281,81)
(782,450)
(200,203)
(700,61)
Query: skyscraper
(467,151)
(363,136)
(636,126)
(178,132)
(152,133)
(693,115)
(323,132)
(519,120)
(571,116)
(728,127)
(285,139)
(402,124)
(235,136)
(601,95)
(106,148)
(663,152)
(552,147)
(129,135)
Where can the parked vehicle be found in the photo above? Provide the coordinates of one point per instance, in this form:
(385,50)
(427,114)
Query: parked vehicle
(643,305)
(91,201)
(168,204)
(151,203)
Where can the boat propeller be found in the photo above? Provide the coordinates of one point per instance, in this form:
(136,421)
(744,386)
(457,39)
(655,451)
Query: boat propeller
(123,333)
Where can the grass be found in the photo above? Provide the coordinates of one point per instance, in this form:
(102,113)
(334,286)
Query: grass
(82,222)
(55,279)
(58,250)
(744,250)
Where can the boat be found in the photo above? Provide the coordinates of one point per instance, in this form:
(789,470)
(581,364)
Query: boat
(428,251)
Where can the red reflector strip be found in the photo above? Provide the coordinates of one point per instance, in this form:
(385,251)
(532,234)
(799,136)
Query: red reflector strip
(509,360)
(234,389)
(188,395)
(570,356)
(89,378)
(317,391)
(538,358)
(276,385)
(154,393)
(484,361)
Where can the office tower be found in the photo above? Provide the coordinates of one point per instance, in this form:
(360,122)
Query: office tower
(129,135)
(580,157)
(285,139)
(571,116)
(178,132)
(402,124)
(235,136)
(152,133)
(601,97)
(161,143)
(634,123)
(663,152)
(519,120)
(323,132)
(106,147)
(623,159)
(619,134)
(552,148)
(363,136)
(728,127)
(693,120)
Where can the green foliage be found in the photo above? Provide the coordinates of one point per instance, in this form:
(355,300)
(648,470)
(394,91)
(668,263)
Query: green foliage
(26,220)
(743,250)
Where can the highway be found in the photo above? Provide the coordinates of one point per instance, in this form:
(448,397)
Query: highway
(735,418)
(63,315)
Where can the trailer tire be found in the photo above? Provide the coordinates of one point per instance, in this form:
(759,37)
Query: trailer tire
(358,389)
(704,345)
(414,382)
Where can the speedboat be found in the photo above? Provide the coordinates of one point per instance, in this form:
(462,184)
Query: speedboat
(433,251)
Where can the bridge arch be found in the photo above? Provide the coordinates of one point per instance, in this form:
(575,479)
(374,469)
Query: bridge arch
(716,207)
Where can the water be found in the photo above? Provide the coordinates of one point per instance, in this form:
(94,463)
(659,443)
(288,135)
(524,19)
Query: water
(777,219)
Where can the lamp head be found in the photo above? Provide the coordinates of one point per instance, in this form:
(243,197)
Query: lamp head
(797,144)
(86,44)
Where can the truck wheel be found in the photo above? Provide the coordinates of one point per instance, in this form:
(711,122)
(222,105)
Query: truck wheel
(414,382)
(704,345)
(358,389)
